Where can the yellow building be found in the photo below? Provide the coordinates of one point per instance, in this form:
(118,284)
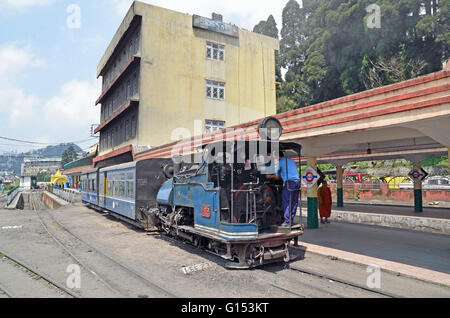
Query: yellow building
(165,70)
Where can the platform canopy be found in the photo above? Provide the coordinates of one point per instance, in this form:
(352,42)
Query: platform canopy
(58,178)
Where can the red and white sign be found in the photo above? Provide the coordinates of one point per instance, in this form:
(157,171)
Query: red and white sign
(310,176)
(418,174)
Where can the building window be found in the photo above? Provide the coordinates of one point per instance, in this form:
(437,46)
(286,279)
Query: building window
(127,130)
(131,49)
(213,125)
(136,44)
(133,126)
(134,85)
(215,90)
(215,51)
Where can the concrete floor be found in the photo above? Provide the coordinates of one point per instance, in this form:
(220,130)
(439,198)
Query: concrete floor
(431,251)
(388,208)
(162,260)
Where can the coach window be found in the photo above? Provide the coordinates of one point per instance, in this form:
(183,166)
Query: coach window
(121,188)
(130,186)
(116,186)
(108,187)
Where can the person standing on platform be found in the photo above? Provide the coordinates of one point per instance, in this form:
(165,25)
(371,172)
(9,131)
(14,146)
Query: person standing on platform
(325,202)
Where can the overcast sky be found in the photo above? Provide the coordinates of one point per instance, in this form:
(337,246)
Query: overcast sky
(48,84)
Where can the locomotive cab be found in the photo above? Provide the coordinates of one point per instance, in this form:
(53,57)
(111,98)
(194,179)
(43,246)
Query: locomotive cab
(242,171)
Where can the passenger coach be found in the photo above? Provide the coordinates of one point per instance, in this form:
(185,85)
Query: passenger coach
(127,190)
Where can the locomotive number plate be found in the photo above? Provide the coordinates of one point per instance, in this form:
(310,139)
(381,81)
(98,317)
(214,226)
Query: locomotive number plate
(206,211)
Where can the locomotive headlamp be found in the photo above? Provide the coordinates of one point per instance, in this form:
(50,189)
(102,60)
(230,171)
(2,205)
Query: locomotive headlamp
(270,128)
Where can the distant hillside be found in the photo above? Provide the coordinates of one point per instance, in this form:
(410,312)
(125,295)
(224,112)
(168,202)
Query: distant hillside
(54,151)
(13,162)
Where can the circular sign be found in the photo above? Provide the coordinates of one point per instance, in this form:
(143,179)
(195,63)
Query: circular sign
(310,176)
(416,175)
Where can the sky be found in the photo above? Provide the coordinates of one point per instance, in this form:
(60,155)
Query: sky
(49,52)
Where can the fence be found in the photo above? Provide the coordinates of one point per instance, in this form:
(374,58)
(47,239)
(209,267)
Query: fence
(69,195)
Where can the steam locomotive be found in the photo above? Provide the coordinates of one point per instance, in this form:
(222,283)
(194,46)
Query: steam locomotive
(226,203)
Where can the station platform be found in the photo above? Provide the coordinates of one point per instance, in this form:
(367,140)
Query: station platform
(396,248)
(432,220)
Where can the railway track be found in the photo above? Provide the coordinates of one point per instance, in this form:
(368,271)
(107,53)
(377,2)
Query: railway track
(271,280)
(6,292)
(120,266)
(37,205)
(78,260)
(342,281)
(16,262)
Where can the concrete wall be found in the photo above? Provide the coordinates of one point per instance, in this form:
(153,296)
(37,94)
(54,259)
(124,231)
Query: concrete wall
(51,201)
(388,194)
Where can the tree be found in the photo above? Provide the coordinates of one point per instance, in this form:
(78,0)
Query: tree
(270,28)
(68,156)
(393,70)
(330,50)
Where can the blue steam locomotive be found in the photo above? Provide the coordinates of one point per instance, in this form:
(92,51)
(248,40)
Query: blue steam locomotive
(226,203)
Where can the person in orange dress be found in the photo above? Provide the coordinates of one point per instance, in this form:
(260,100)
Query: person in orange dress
(324,197)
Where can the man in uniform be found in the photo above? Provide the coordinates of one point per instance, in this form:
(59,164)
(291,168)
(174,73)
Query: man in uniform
(287,171)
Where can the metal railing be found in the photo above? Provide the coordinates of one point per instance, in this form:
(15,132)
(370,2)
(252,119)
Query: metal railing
(69,195)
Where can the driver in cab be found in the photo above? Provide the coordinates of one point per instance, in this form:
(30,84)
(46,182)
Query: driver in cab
(287,171)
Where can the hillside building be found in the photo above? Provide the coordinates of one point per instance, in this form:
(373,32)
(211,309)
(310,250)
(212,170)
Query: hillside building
(165,70)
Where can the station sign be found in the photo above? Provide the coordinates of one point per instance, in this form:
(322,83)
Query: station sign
(311,177)
(418,174)
(215,26)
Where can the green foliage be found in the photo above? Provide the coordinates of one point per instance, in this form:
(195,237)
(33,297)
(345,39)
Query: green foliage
(68,155)
(435,162)
(55,151)
(359,164)
(357,194)
(329,51)
(270,28)
(326,167)
(43,177)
